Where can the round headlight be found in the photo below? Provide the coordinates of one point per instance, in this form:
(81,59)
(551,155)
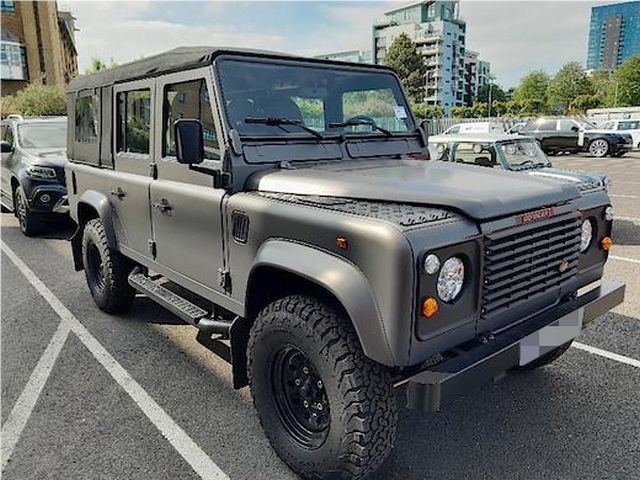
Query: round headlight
(431,264)
(586,235)
(608,213)
(450,279)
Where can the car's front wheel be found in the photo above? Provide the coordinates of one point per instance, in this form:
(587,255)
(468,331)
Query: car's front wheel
(328,410)
(599,148)
(29,223)
(106,270)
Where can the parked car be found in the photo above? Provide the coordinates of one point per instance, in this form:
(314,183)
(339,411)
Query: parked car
(338,267)
(631,127)
(514,153)
(571,135)
(474,127)
(33,160)
(516,128)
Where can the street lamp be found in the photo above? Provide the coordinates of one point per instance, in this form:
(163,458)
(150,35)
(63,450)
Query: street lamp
(491,79)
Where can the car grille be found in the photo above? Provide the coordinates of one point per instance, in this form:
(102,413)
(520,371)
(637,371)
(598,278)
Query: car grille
(524,262)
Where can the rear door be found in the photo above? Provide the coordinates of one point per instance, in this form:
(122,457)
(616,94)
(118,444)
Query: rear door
(186,208)
(569,134)
(133,155)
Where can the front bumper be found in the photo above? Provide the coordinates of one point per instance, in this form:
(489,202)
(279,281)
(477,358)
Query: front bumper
(51,198)
(468,369)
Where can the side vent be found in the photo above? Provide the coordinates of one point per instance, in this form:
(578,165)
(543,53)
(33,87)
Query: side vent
(240,228)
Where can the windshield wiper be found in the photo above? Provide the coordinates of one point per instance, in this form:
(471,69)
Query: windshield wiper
(279,122)
(361,121)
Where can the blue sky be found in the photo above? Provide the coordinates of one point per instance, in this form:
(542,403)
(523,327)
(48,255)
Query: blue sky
(515,36)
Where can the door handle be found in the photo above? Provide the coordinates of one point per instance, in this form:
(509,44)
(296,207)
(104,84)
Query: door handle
(118,192)
(163,205)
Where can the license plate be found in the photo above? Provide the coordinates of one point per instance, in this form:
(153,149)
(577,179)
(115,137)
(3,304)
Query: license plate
(552,336)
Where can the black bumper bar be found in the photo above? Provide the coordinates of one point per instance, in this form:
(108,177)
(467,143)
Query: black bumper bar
(439,384)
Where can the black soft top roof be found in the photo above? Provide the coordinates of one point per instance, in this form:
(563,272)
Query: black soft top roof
(182,58)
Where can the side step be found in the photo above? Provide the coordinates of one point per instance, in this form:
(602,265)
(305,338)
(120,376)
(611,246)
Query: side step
(179,306)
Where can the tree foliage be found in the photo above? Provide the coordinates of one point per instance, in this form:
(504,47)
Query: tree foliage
(405,60)
(98,64)
(626,83)
(36,100)
(533,88)
(569,83)
(425,111)
(497,93)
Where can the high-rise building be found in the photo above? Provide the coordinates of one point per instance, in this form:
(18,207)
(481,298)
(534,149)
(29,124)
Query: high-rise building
(614,35)
(38,45)
(353,56)
(439,33)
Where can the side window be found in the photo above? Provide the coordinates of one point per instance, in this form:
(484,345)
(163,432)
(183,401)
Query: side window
(483,155)
(567,125)
(86,119)
(134,121)
(312,110)
(189,100)
(607,126)
(628,125)
(545,125)
(7,134)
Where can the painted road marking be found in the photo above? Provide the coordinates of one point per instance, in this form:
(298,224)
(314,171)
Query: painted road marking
(21,412)
(605,353)
(628,219)
(624,259)
(624,196)
(177,437)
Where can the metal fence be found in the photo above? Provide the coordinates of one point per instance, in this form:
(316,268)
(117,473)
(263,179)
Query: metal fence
(438,125)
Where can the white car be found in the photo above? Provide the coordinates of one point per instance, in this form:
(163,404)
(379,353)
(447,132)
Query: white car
(475,127)
(632,127)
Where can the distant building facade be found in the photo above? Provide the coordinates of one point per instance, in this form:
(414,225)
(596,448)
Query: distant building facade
(37,45)
(353,56)
(614,35)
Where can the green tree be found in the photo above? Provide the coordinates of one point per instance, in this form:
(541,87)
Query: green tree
(625,88)
(37,100)
(569,83)
(499,108)
(425,111)
(405,60)
(497,93)
(461,112)
(480,110)
(98,64)
(533,88)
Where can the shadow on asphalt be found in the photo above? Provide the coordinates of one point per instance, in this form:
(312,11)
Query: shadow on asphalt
(626,233)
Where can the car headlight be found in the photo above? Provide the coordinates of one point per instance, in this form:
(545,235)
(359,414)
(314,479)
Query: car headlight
(608,213)
(46,173)
(586,235)
(450,279)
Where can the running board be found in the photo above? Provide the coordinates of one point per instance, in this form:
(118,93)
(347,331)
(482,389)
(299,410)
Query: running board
(179,306)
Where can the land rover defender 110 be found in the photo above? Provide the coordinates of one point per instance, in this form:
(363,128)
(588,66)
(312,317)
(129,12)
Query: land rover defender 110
(291,202)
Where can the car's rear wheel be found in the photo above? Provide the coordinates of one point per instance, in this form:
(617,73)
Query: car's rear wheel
(599,147)
(29,224)
(106,270)
(328,410)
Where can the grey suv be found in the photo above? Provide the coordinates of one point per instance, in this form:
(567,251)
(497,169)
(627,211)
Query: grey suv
(33,159)
(284,204)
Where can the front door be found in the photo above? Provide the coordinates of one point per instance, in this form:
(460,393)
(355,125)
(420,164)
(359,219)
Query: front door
(129,189)
(7,159)
(186,210)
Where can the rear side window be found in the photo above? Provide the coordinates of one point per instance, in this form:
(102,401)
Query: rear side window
(629,125)
(86,119)
(134,121)
(189,100)
(545,125)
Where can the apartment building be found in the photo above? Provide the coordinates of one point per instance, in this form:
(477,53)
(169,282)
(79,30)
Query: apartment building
(37,45)
(614,35)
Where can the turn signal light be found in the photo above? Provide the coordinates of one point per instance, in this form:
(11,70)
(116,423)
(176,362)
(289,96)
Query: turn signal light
(606,243)
(429,307)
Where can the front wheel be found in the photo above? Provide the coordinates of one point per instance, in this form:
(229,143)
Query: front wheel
(29,223)
(599,148)
(328,411)
(106,270)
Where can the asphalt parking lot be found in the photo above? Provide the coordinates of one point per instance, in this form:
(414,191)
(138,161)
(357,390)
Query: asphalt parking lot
(86,395)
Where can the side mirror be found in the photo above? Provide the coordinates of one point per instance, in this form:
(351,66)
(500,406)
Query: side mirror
(575,128)
(189,141)
(5,147)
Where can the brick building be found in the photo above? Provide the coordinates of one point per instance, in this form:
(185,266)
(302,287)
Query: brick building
(38,45)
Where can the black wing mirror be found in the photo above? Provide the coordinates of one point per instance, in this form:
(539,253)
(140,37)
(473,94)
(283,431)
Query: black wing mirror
(575,128)
(5,147)
(189,141)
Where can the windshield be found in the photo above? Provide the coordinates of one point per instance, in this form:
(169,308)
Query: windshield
(43,135)
(585,125)
(523,154)
(319,98)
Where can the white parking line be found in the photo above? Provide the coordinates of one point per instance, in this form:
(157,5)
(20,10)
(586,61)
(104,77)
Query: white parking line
(605,353)
(177,437)
(19,416)
(624,196)
(624,259)
(629,219)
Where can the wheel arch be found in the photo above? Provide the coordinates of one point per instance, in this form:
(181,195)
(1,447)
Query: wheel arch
(289,267)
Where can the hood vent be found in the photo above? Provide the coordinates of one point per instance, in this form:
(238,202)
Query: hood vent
(240,226)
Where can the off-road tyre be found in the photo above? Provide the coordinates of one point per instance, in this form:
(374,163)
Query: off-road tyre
(106,270)
(362,412)
(30,224)
(547,358)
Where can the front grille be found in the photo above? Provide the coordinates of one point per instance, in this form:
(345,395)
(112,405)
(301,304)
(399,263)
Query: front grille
(524,262)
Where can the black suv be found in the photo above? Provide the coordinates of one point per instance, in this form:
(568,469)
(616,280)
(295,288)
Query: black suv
(573,135)
(33,161)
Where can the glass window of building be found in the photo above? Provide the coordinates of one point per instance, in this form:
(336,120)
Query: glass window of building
(8,6)
(13,61)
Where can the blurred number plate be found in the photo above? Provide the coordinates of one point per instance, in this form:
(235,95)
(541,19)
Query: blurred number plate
(553,335)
